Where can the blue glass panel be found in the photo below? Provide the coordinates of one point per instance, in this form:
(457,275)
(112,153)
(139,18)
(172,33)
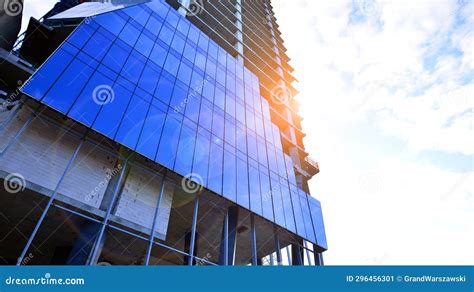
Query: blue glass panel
(220,76)
(166,154)
(158,55)
(318,223)
(183,26)
(243,198)
(82,34)
(215,166)
(159,8)
(129,34)
(201,157)
(117,55)
(99,44)
(111,114)
(154,25)
(308,223)
(172,18)
(193,35)
(219,98)
(69,85)
(218,124)
(300,228)
(278,203)
(150,77)
(267,204)
(179,96)
(172,65)
(132,122)
(151,133)
(96,93)
(262,152)
(252,146)
(287,206)
(230,176)
(166,34)
(137,13)
(48,73)
(241,140)
(190,52)
(111,21)
(205,117)
(185,153)
(144,45)
(230,130)
(133,67)
(255,194)
(208,91)
(272,161)
(178,44)
(193,107)
(165,88)
(184,73)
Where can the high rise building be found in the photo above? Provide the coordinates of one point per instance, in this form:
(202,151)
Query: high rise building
(154,133)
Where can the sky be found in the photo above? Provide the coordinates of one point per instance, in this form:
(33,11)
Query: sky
(386,92)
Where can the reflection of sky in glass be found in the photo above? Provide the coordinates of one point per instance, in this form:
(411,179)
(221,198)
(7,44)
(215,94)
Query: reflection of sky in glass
(145,77)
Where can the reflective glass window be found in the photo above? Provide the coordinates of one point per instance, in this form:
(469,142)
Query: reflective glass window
(129,34)
(69,85)
(111,114)
(243,198)
(255,194)
(166,154)
(215,166)
(151,133)
(86,107)
(230,176)
(132,123)
(185,153)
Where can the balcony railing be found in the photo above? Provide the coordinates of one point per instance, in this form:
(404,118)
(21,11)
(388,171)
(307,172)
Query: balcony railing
(312,166)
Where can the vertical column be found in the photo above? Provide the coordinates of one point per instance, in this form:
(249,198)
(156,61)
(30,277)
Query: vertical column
(296,255)
(194,235)
(229,237)
(100,237)
(255,259)
(155,221)
(238,34)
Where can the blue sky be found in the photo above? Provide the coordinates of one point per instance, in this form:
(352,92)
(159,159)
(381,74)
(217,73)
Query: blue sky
(387,96)
(386,90)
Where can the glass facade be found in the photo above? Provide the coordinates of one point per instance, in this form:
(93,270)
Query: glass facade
(147,78)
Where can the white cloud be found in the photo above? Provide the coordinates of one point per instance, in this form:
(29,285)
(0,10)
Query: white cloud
(365,83)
